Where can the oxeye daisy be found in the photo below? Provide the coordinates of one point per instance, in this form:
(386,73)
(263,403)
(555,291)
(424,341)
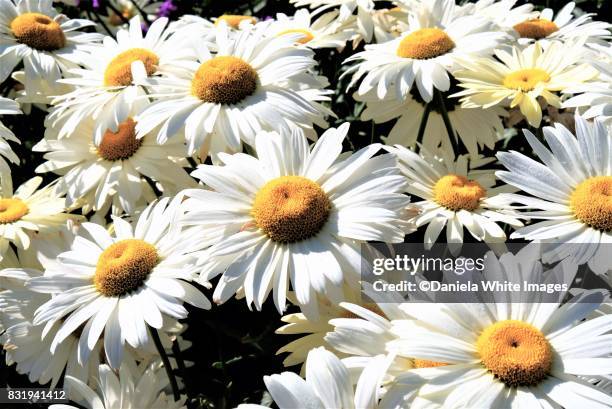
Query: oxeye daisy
(7,107)
(323,32)
(48,43)
(388,24)
(546,27)
(115,287)
(328,385)
(116,171)
(105,88)
(477,128)
(346,9)
(457,194)
(130,388)
(572,189)
(254,82)
(235,21)
(522,77)
(29,210)
(502,13)
(295,214)
(508,355)
(425,54)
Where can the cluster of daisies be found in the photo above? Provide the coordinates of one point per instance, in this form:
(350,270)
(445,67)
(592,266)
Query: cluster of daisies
(196,160)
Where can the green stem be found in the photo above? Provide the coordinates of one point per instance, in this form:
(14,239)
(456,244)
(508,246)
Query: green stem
(178,355)
(166,362)
(423,124)
(447,122)
(144,15)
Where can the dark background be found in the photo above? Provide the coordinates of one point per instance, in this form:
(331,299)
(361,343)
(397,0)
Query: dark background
(233,348)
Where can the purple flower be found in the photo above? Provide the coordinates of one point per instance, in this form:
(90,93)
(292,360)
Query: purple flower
(96,3)
(166,8)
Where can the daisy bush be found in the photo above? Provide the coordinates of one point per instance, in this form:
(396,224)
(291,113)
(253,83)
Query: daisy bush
(187,189)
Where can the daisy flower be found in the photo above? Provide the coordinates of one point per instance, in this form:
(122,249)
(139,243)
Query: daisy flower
(477,128)
(595,98)
(502,13)
(425,54)
(323,32)
(457,194)
(105,88)
(235,21)
(252,83)
(118,286)
(522,77)
(141,387)
(328,385)
(572,191)
(508,354)
(7,107)
(346,9)
(547,28)
(388,24)
(124,10)
(116,171)
(29,210)
(48,43)
(295,214)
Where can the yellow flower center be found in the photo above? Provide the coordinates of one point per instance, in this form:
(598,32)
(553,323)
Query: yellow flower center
(290,209)
(537,28)
(515,352)
(120,145)
(423,363)
(307,36)
(424,44)
(526,80)
(456,192)
(38,31)
(124,266)
(224,80)
(115,19)
(118,73)
(234,20)
(591,202)
(12,210)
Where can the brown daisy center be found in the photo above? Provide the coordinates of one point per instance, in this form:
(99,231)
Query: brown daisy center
(424,44)
(38,31)
(118,72)
(515,352)
(456,192)
(224,80)
(591,202)
(11,210)
(124,266)
(536,28)
(290,209)
(120,145)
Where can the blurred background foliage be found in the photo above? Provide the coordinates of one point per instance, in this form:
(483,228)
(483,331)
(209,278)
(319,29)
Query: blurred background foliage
(233,347)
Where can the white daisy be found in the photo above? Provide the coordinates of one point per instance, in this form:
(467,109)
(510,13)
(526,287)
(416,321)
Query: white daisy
(120,285)
(28,210)
(328,385)
(324,32)
(388,24)
(572,191)
(595,98)
(295,214)
(106,89)
(346,9)
(252,83)
(477,128)
(503,13)
(524,76)
(425,54)
(142,387)
(456,194)
(505,355)
(114,171)
(7,107)
(48,43)
(547,28)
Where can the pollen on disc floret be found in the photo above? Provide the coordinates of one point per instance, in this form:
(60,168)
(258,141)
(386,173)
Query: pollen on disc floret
(38,31)
(124,266)
(456,192)
(290,209)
